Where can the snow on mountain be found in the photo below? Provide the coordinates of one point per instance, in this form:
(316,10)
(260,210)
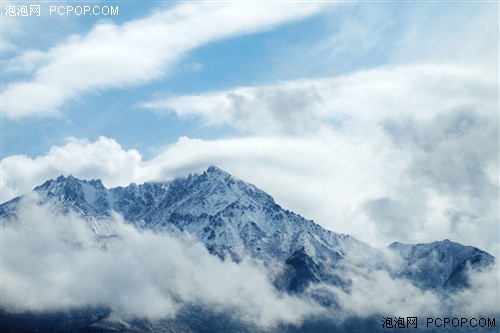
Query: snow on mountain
(440,264)
(233,218)
(89,199)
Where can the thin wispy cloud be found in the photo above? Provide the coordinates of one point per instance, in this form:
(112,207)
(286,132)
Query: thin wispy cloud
(367,96)
(136,52)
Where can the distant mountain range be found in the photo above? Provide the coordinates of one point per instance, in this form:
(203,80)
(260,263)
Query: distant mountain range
(234,220)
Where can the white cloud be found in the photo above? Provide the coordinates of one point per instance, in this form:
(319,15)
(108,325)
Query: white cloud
(11,28)
(369,96)
(138,51)
(51,262)
(328,179)
(404,154)
(325,187)
(407,153)
(101,159)
(376,293)
(423,139)
(264,110)
(444,33)
(483,295)
(26,62)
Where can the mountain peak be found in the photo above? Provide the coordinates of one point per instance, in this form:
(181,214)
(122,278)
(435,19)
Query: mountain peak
(213,170)
(68,180)
(64,179)
(215,176)
(440,264)
(58,182)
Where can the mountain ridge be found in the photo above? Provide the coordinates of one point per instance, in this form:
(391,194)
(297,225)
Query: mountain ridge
(235,219)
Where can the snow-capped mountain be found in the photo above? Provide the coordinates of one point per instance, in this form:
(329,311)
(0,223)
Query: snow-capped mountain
(234,218)
(440,264)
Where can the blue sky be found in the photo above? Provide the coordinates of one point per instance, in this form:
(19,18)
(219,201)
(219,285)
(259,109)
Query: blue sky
(352,114)
(292,50)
